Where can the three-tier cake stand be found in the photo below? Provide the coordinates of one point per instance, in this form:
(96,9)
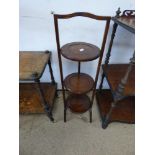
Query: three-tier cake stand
(78,84)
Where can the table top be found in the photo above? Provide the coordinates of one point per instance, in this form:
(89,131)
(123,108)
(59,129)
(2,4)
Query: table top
(80,51)
(32,64)
(126,22)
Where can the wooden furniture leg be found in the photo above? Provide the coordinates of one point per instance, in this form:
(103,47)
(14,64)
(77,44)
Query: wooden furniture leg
(51,72)
(90,115)
(105,120)
(120,89)
(101,83)
(115,25)
(44,103)
(65,111)
(108,53)
(100,61)
(52,77)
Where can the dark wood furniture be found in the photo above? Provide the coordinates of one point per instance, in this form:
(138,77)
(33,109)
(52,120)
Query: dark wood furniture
(118,103)
(78,84)
(34,96)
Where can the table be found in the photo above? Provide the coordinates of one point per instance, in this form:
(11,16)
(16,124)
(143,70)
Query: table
(34,96)
(118,103)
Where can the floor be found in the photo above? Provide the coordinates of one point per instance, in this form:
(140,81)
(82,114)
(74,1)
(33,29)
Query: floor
(39,136)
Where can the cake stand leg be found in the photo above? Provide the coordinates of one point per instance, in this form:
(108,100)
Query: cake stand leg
(90,115)
(65,110)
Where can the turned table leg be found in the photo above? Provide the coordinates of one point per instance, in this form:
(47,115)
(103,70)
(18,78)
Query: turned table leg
(108,53)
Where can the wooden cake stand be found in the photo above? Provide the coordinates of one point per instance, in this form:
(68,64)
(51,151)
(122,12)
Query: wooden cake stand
(79,84)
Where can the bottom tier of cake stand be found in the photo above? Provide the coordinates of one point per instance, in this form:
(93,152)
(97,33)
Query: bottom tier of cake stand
(78,103)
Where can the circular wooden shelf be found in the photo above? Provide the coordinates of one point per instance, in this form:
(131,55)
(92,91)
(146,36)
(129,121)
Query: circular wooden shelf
(78,103)
(80,51)
(79,84)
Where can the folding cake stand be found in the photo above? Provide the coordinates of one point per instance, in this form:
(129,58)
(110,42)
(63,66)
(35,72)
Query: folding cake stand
(79,84)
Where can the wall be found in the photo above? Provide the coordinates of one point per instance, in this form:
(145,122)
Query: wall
(37,30)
